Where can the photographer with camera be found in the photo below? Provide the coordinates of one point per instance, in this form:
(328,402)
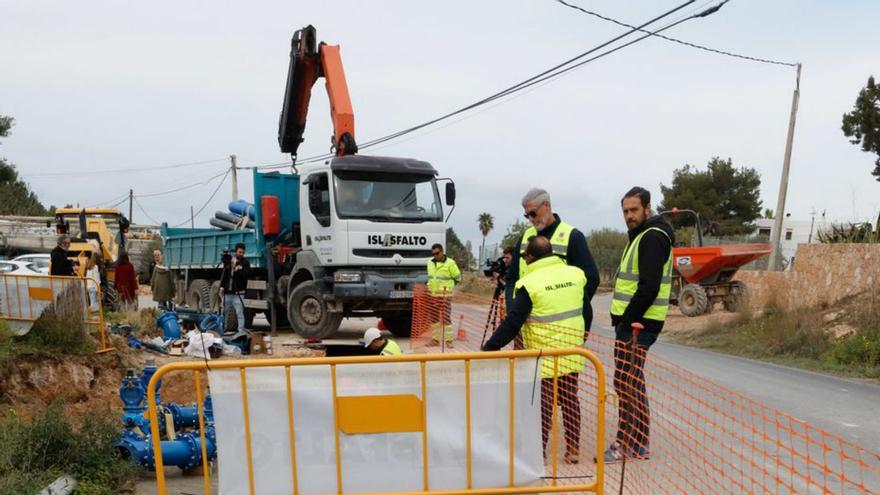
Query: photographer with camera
(233,281)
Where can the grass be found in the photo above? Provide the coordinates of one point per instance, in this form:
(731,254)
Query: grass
(34,452)
(799,339)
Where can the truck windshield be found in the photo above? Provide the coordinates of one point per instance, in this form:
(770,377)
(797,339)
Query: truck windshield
(387,197)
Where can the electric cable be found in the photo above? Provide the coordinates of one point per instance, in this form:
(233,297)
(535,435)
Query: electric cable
(123,170)
(676,40)
(182,188)
(537,79)
(223,180)
(144,211)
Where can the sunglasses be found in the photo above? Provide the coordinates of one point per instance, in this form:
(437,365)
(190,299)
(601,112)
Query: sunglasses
(531,214)
(435,253)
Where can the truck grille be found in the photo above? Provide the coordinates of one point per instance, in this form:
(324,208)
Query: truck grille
(388,253)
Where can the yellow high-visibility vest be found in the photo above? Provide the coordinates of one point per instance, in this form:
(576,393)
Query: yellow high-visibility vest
(391,349)
(627,281)
(557,317)
(442,277)
(558,241)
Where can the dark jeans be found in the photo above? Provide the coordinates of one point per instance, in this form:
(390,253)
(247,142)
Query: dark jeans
(634,414)
(571,412)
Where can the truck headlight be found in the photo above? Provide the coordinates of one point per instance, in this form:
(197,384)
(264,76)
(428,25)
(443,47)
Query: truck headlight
(343,277)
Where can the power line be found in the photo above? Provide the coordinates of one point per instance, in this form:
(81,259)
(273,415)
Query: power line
(537,79)
(676,40)
(182,188)
(206,202)
(144,211)
(122,170)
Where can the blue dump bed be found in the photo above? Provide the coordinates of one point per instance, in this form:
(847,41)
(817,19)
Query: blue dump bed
(201,248)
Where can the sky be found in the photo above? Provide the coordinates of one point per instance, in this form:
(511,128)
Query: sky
(103,85)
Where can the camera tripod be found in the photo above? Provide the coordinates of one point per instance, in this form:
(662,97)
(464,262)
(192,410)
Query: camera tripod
(494,312)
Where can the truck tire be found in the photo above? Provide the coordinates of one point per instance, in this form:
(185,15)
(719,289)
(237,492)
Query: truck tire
(738,297)
(215,296)
(230,319)
(308,313)
(399,324)
(199,295)
(692,300)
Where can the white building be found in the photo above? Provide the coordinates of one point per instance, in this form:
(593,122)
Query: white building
(794,232)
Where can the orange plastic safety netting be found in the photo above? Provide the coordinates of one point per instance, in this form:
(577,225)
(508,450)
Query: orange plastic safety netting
(698,436)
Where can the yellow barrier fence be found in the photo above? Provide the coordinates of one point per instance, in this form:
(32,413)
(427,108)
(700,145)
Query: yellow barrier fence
(394,413)
(24,298)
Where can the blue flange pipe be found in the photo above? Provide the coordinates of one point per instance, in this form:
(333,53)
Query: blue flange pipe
(184,452)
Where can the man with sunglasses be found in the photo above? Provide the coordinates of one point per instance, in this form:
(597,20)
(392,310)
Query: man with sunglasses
(566,241)
(443,274)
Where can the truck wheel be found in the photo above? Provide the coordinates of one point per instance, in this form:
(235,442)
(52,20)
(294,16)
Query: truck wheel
(692,300)
(230,319)
(199,295)
(738,297)
(308,313)
(399,324)
(215,297)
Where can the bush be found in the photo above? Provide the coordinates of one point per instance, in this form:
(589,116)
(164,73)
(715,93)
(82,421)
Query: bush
(606,246)
(35,452)
(861,349)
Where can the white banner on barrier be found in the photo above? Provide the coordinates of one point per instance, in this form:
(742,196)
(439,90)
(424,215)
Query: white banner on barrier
(379,461)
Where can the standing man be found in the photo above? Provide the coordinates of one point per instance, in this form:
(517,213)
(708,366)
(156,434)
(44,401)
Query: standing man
(567,242)
(233,283)
(443,274)
(641,295)
(549,305)
(59,264)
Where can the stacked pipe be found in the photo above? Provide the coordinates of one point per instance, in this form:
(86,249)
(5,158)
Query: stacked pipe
(240,216)
(181,442)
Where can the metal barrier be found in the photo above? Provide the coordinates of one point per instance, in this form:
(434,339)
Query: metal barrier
(408,410)
(24,298)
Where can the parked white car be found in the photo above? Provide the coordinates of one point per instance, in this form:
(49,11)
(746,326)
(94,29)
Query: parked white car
(19,268)
(40,261)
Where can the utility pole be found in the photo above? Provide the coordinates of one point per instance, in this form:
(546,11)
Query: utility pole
(783,182)
(234,169)
(130,201)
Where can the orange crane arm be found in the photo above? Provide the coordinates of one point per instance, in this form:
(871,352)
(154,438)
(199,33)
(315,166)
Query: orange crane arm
(308,62)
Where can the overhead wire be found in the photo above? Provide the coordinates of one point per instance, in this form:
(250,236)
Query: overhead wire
(144,211)
(536,80)
(205,205)
(676,40)
(182,188)
(123,170)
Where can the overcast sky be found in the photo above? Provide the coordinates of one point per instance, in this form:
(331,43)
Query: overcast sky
(97,85)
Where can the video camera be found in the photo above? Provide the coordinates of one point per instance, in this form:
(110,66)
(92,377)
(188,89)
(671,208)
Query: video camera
(496,267)
(226,257)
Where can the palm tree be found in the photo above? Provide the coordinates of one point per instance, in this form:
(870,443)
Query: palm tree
(486,223)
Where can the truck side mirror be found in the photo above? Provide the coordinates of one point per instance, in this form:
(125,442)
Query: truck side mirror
(450,193)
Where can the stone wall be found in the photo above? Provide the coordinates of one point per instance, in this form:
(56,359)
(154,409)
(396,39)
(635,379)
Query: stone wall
(822,274)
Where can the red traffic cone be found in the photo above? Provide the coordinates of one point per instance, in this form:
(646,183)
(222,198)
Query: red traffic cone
(462,335)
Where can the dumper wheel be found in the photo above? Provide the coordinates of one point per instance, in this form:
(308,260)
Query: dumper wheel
(308,313)
(199,295)
(398,323)
(738,298)
(692,300)
(215,296)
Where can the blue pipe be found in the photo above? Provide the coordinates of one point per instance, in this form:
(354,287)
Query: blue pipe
(184,452)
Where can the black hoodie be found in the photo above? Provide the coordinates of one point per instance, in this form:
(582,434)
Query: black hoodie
(654,250)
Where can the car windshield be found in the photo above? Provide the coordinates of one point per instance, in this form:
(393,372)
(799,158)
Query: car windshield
(387,197)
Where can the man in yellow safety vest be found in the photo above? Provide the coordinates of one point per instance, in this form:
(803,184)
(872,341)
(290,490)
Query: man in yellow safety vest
(443,274)
(373,340)
(641,295)
(549,304)
(567,242)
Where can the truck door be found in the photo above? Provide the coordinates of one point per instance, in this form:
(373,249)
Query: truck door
(317,233)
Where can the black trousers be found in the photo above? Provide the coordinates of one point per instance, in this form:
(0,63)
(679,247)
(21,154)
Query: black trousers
(571,412)
(634,413)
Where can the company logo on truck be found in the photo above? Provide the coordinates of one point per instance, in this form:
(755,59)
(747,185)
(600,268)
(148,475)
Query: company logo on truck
(389,240)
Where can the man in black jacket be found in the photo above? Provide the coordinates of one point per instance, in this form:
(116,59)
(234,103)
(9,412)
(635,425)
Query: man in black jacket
(641,295)
(233,283)
(545,223)
(59,264)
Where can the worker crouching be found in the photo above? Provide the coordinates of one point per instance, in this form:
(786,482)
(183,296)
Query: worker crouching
(373,340)
(548,305)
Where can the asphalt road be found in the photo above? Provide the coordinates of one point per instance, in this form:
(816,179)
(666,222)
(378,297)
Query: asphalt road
(847,408)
